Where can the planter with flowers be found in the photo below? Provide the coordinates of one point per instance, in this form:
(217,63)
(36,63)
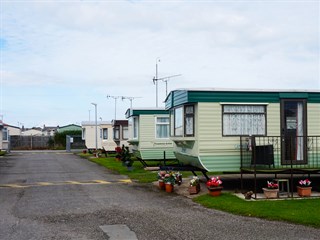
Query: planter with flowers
(160,177)
(169,180)
(272,190)
(194,185)
(118,153)
(178,177)
(214,186)
(304,188)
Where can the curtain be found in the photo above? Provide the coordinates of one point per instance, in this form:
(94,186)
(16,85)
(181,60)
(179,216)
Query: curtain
(300,136)
(162,129)
(244,120)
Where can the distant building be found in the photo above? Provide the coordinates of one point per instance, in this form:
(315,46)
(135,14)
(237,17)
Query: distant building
(49,131)
(35,131)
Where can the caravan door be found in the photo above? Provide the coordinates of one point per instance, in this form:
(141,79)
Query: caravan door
(294,131)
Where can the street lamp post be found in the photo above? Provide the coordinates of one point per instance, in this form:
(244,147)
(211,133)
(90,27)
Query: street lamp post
(96,123)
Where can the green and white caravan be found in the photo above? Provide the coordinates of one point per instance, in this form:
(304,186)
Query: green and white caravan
(149,134)
(213,128)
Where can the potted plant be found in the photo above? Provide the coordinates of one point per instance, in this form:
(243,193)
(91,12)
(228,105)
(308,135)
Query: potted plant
(178,177)
(160,176)
(169,180)
(118,153)
(214,186)
(272,190)
(304,188)
(194,185)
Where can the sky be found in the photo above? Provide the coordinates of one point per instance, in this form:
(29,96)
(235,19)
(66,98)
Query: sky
(58,57)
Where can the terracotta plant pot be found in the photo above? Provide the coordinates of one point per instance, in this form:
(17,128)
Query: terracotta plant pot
(194,189)
(169,187)
(270,193)
(304,191)
(215,191)
(162,185)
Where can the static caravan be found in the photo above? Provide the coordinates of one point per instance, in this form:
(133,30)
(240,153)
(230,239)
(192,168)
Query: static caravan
(149,134)
(104,135)
(227,130)
(4,137)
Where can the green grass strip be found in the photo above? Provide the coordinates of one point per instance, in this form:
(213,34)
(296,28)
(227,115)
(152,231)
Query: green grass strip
(298,211)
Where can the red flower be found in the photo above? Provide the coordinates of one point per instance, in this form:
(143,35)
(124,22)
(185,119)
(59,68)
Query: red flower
(214,182)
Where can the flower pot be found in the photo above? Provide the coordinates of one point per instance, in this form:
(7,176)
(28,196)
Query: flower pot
(271,193)
(194,189)
(169,187)
(215,191)
(162,185)
(304,191)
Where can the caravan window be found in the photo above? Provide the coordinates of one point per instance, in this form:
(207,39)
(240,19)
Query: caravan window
(135,127)
(5,134)
(105,133)
(162,127)
(244,120)
(182,121)
(125,132)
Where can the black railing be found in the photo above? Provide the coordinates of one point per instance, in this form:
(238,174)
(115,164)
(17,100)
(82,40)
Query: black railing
(276,152)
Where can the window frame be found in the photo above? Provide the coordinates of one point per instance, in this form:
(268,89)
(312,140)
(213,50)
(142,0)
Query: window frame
(188,115)
(135,127)
(5,134)
(264,113)
(167,124)
(125,128)
(103,135)
(184,116)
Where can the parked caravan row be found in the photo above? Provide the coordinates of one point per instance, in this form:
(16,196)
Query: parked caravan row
(213,129)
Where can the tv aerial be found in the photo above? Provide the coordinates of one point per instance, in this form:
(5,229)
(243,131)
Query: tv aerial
(164,79)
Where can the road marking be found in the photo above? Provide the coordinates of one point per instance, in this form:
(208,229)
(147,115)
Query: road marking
(42,184)
(119,232)
(126,181)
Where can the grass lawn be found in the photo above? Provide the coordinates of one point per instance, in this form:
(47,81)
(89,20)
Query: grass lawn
(299,211)
(138,173)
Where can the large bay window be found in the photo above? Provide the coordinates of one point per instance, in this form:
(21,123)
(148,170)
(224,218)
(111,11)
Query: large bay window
(182,121)
(162,127)
(244,120)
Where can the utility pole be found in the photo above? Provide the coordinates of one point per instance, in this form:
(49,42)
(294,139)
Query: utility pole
(96,123)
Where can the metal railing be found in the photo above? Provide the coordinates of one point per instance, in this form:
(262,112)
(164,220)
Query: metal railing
(265,152)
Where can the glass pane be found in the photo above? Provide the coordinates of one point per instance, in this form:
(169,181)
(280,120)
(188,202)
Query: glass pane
(125,132)
(105,133)
(178,123)
(189,125)
(135,127)
(162,131)
(189,109)
(162,120)
(243,109)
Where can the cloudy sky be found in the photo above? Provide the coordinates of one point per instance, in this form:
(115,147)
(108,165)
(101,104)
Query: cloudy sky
(57,57)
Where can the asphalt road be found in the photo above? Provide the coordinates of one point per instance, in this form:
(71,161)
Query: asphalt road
(61,196)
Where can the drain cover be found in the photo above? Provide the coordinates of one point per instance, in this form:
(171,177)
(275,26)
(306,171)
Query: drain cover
(119,232)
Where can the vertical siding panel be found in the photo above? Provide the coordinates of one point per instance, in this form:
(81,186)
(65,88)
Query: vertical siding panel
(313,116)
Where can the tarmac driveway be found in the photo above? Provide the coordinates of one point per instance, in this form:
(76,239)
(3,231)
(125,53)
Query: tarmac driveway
(57,195)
